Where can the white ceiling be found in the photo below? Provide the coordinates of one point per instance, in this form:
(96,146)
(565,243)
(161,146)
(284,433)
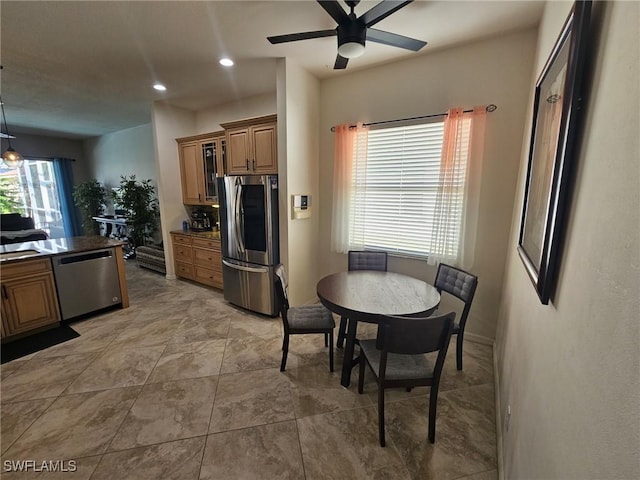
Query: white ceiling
(81,69)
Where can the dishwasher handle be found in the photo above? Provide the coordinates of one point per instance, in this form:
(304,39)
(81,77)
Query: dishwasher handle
(66,260)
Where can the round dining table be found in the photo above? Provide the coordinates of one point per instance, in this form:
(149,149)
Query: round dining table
(365,295)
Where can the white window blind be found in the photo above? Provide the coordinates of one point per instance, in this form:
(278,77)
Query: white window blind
(395,190)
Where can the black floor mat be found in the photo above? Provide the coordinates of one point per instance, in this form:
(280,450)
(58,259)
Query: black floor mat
(36,342)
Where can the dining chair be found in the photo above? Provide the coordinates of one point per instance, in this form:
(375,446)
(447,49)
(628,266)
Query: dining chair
(359,260)
(461,285)
(305,319)
(397,358)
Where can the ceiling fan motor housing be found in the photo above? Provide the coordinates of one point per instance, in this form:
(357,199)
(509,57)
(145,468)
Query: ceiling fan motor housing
(349,33)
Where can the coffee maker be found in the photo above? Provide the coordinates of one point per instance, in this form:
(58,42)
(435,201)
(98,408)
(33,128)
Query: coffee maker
(201,221)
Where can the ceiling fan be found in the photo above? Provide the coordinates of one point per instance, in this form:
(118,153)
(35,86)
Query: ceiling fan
(354,31)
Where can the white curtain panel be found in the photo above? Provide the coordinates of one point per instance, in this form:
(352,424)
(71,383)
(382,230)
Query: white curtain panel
(456,215)
(350,151)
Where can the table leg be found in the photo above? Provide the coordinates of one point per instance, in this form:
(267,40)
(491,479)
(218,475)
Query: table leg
(347,363)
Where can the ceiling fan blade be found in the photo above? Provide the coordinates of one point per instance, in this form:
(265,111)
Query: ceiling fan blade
(341,63)
(334,9)
(395,40)
(382,11)
(294,37)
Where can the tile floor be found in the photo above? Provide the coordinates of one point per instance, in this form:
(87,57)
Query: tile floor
(182,385)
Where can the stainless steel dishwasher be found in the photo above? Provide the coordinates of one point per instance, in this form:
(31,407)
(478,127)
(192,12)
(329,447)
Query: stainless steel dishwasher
(86,281)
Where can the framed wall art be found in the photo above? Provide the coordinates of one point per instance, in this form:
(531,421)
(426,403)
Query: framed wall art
(554,138)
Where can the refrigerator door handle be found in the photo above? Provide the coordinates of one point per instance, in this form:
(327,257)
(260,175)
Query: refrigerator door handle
(239,215)
(245,269)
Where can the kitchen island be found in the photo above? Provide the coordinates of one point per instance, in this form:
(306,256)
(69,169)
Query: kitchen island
(46,281)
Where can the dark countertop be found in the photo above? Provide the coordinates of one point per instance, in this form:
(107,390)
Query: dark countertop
(57,246)
(215,235)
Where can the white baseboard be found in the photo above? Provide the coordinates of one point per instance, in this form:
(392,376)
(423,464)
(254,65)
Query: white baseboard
(478,339)
(170,277)
(496,390)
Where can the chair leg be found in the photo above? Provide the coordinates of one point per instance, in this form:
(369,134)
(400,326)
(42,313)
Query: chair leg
(361,374)
(326,339)
(330,350)
(459,350)
(342,332)
(433,402)
(285,351)
(381,414)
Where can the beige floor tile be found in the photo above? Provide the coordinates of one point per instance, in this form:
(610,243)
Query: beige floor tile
(252,353)
(273,452)
(345,445)
(316,390)
(75,426)
(117,368)
(244,324)
(167,411)
(17,417)
(45,377)
(465,434)
(178,460)
(198,330)
(190,360)
(95,339)
(147,332)
(251,398)
(10,368)
(488,475)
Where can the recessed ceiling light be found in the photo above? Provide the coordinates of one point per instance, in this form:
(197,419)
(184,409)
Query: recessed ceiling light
(160,87)
(227,62)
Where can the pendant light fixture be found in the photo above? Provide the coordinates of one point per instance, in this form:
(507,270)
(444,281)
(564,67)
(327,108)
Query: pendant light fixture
(10,157)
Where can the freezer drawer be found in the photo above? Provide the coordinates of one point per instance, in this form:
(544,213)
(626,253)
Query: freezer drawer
(86,282)
(249,286)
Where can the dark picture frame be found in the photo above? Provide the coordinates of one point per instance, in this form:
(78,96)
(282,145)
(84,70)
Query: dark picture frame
(554,134)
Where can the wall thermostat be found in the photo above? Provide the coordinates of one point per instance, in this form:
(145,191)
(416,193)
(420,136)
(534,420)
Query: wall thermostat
(300,206)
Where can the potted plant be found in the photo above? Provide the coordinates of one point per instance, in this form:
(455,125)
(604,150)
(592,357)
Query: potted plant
(138,198)
(90,198)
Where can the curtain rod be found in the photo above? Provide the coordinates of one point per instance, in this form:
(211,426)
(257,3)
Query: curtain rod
(490,108)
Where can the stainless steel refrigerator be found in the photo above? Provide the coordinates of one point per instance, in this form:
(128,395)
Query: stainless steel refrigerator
(250,241)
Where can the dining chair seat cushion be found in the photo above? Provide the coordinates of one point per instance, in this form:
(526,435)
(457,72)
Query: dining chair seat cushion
(456,325)
(399,367)
(310,317)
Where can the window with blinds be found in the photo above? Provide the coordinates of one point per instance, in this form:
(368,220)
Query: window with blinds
(395,190)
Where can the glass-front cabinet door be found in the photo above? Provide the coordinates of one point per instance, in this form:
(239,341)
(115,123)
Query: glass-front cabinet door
(213,156)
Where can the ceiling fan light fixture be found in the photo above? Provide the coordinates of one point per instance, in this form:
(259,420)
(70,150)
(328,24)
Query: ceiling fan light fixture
(351,49)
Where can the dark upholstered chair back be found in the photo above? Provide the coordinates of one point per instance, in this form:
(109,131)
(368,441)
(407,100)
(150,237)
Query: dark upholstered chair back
(412,336)
(456,282)
(367,261)
(15,221)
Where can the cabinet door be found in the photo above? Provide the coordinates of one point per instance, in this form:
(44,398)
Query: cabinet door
(192,173)
(265,159)
(221,156)
(29,303)
(238,161)
(209,154)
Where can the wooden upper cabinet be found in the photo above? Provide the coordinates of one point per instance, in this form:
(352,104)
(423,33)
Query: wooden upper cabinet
(252,146)
(201,162)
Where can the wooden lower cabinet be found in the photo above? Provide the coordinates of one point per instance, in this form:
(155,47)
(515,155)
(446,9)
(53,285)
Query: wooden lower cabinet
(29,299)
(198,259)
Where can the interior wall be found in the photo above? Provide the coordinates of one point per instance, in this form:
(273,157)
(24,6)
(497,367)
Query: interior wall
(494,71)
(209,120)
(570,370)
(301,174)
(53,147)
(127,152)
(168,124)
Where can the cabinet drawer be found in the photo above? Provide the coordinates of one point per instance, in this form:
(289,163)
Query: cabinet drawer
(208,277)
(182,253)
(181,239)
(27,267)
(207,259)
(184,270)
(213,244)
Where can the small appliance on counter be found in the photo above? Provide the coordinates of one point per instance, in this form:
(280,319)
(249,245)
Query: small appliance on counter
(201,221)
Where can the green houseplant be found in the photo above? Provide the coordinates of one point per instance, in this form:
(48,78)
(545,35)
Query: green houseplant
(138,198)
(90,197)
